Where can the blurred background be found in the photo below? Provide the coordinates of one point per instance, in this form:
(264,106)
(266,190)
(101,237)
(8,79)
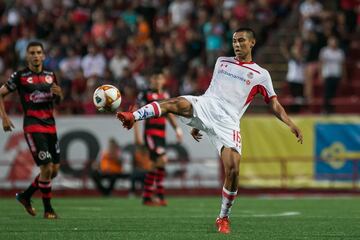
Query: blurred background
(310,47)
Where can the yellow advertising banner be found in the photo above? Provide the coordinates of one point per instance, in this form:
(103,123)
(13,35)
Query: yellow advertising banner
(329,156)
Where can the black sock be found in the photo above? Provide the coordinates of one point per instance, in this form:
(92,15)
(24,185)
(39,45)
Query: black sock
(45,188)
(32,188)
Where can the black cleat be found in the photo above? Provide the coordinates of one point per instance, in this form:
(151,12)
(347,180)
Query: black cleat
(26,203)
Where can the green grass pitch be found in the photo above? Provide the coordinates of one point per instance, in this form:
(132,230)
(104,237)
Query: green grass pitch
(185,218)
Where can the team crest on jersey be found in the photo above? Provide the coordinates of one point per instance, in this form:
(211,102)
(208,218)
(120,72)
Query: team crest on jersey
(250,75)
(29,80)
(49,79)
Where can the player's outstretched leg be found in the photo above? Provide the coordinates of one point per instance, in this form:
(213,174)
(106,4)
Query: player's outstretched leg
(231,160)
(179,106)
(25,197)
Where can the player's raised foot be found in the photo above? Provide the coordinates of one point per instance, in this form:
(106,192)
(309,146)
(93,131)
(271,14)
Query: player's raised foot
(50,214)
(223,225)
(26,202)
(127,119)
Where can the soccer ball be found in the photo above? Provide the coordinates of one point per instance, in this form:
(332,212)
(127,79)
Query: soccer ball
(107,98)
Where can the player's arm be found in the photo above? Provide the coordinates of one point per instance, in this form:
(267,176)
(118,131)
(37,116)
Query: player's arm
(137,134)
(6,122)
(57,92)
(177,129)
(280,113)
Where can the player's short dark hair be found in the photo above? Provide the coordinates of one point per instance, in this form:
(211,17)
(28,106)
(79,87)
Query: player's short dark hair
(249,31)
(35,44)
(157,71)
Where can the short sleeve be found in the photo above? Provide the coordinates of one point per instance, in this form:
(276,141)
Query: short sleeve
(267,89)
(13,82)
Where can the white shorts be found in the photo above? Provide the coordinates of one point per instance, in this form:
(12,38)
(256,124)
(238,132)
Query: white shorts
(210,116)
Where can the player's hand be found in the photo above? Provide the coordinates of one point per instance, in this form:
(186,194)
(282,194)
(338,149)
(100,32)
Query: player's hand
(297,132)
(56,90)
(7,124)
(195,133)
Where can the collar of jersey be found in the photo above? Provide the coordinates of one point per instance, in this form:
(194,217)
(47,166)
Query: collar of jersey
(241,63)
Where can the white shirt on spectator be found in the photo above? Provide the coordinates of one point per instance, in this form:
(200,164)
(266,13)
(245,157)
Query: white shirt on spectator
(332,62)
(295,73)
(93,65)
(70,66)
(117,66)
(308,9)
(180,10)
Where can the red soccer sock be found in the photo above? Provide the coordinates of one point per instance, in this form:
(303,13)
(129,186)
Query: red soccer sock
(160,176)
(148,185)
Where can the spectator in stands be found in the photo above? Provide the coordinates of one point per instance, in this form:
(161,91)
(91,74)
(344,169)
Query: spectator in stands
(118,63)
(310,11)
(22,42)
(180,10)
(93,65)
(332,62)
(108,168)
(70,65)
(311,58)
(213,32)
(296,73)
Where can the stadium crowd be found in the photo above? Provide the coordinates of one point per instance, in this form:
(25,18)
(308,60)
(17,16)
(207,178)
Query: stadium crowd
(318,52)
(92,42)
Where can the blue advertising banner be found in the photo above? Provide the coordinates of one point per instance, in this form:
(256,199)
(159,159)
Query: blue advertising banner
(337,151)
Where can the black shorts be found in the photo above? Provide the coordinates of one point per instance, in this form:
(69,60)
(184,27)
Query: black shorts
(44,147)
(156,146)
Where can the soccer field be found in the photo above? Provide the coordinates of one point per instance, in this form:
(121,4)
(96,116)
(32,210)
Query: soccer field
(185,218)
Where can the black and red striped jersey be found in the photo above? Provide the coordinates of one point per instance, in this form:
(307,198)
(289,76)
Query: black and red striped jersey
(153,126)
(36,99)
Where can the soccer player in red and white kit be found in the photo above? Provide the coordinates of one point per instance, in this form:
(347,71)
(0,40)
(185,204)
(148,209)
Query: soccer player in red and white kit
(38,90)
(235,82)
(154,136)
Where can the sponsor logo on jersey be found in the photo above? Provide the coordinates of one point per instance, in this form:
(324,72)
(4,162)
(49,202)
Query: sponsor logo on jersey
(29,80)
(49,79)
(248,82)
(232,75)
(38,96)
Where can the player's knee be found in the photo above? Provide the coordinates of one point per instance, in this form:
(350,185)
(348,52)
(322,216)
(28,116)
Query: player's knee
(46,170)
(178,105)
(232,171)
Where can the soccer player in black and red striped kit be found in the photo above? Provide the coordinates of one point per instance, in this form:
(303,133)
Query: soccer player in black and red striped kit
(154,136)
(38,90)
